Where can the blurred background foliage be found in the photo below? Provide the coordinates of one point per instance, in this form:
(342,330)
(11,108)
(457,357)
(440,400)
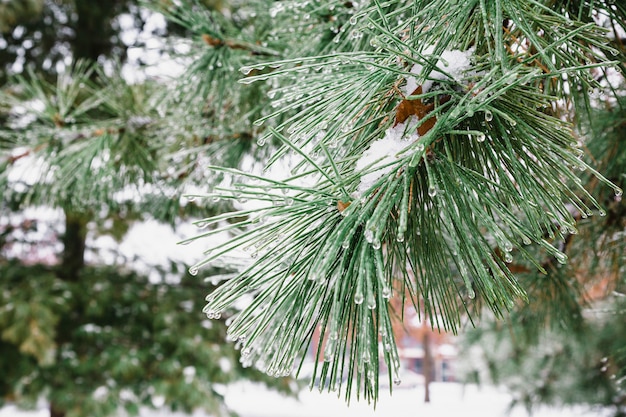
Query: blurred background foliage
(93,336)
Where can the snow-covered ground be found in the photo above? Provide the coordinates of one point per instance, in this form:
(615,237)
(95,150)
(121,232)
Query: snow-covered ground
(447,400)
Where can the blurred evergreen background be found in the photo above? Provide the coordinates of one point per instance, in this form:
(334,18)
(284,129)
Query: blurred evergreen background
(86,155)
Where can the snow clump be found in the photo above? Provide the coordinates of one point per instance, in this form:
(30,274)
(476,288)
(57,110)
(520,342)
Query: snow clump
(455,63)
(378,159)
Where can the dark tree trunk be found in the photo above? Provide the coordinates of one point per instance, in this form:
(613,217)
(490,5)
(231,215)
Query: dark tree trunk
(56,412)
(93,27)
(73,259)
(72,263)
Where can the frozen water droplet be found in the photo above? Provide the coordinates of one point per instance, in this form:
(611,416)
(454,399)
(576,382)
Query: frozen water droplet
(508,258)
(488,115)
(432,191)
(376,244)
(386,292)
(353,20)
(602,213)
(561,258)
(400,237)
(358,298)
(369,235)
(261,142)
(470,292)
(526,240)
(371,302)
(345,244)
(619,192)
(481,137)
(193,271)
(190,197)
(246,70)
(420,147)
(202,224)
(397,380)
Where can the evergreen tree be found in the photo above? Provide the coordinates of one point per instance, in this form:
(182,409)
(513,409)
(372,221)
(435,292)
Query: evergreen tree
(46,34)
(94,339)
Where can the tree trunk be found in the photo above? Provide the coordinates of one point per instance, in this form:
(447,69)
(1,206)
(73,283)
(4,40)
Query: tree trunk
(73,259)
(93,27)
(56,412)
(72,263)
(427,362)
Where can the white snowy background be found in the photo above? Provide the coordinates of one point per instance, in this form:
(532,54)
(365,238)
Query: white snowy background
(447,400)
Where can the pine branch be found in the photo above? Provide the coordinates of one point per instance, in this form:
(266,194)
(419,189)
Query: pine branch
(433,140)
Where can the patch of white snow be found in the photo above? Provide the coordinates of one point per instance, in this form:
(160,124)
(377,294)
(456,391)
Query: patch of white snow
(455,63)
(378,159)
